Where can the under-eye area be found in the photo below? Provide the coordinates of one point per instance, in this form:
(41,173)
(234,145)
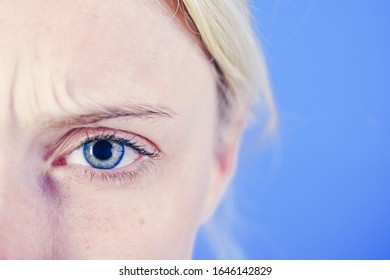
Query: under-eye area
(104,154)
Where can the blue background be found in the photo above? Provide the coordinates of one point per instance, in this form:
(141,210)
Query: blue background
(320,189)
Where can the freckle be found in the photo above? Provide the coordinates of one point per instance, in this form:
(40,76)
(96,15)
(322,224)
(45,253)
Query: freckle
(141,222)
(87,247)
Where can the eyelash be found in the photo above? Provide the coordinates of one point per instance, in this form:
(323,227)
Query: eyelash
(123,177)
(117,176)
(127,142)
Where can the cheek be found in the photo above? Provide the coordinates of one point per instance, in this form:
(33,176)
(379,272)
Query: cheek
(155,218)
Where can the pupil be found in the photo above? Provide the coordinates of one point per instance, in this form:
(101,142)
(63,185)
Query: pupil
(102,150)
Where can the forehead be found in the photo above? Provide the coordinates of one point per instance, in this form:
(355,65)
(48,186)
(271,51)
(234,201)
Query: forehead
(95,49)
(76,22)
(52,27)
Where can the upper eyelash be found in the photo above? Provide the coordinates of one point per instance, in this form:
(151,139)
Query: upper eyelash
(130,142)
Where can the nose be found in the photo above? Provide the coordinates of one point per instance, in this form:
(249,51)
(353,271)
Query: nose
(24,219)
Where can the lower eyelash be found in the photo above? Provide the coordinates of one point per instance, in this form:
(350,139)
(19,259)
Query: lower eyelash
(119,178)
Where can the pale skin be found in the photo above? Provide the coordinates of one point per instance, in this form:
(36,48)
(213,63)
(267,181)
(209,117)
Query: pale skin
(96,68)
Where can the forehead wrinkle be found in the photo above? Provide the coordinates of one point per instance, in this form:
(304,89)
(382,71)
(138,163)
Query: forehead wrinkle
(84,81)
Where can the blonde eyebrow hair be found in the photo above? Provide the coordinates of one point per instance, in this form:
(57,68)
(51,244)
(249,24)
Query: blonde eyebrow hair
(143,111)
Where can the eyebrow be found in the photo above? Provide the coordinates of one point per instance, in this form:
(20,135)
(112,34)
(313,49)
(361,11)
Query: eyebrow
(144,111)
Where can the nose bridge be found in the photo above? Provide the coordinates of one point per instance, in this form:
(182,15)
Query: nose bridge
(24,219)
(13,202)
(15,178)
(8,133)
(22,210)
(9,176)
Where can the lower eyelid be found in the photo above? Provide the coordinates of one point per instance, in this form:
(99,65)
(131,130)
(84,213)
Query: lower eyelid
(121,176)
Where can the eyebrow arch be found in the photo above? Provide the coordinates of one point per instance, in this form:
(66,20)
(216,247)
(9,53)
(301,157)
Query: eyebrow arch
(140,111)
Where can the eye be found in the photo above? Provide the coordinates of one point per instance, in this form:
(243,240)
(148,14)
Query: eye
(103,154)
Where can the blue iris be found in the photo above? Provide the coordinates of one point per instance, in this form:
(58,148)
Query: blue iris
(103,154)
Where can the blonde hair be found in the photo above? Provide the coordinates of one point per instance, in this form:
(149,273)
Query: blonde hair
(225,28)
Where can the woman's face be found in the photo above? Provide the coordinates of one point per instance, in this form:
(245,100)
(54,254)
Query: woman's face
(108,120)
